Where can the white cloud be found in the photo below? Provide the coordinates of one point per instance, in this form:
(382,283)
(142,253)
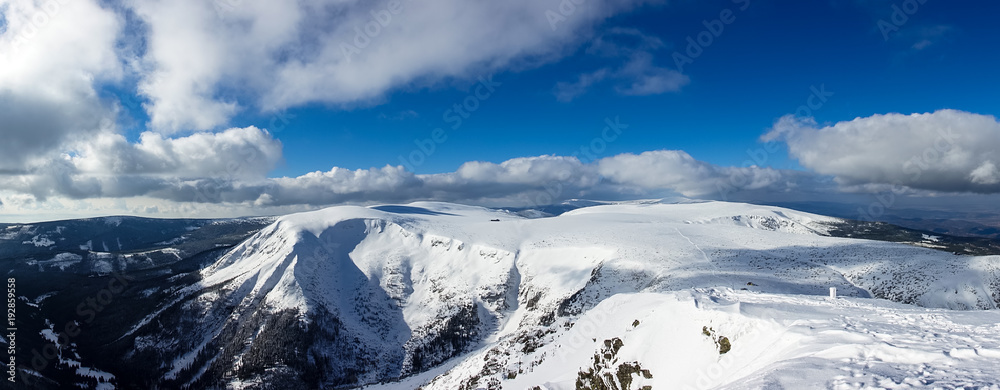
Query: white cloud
(238,152)
(227,169)
(678,171)
(197,50)
(526,181)
(986,174)
(947,150)
(52,53)
(106,165)
(205,62)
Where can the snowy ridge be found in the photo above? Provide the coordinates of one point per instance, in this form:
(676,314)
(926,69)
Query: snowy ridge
(349,295)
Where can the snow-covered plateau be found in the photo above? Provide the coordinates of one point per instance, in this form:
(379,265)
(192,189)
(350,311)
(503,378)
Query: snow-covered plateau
(673,294)
(626,296)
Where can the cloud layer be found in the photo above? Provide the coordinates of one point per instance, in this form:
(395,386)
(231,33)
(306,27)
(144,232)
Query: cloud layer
(196,64)
(106,165)
(228,168)
(947,150)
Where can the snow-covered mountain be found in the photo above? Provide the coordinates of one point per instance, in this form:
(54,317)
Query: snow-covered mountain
(624,296)
(467,297)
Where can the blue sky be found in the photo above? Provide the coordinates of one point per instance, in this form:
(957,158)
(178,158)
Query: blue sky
(247,107)
(760,68)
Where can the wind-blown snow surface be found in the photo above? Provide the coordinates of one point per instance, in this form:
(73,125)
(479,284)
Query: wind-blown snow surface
(443,296)
(778,342)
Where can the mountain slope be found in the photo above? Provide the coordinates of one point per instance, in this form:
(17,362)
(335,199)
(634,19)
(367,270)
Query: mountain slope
(668,341)
(350,295)
(77,280)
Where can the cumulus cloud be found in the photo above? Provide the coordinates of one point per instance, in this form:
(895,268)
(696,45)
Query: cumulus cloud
(33,127)
(947,150)
(184,171)
(53,52)
(106,165)
(678,171)
(198,63)
(527,181)
(205,61)
(239,152)
(986,174)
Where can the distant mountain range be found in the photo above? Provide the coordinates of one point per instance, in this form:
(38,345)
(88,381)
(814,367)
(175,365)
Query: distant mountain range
(966,224)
